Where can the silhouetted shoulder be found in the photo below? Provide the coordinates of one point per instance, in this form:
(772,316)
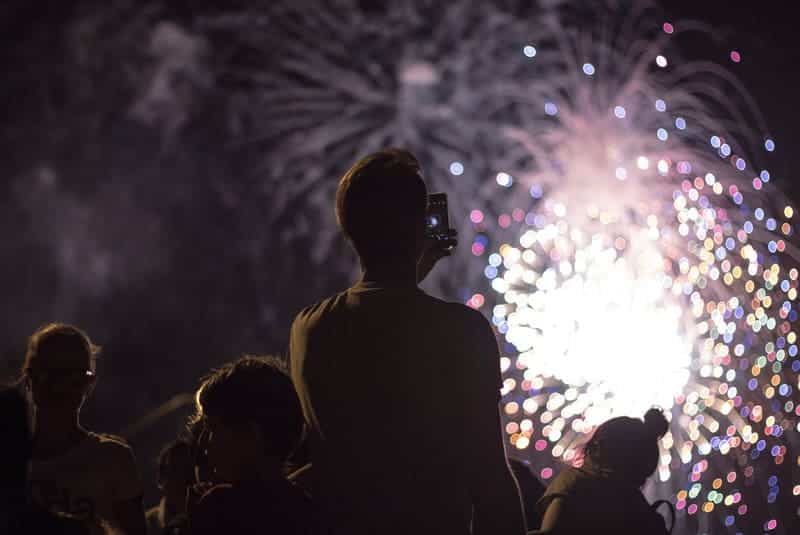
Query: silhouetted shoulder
(312,315)
(475,318)
(457,311)
(114,447)
(111,441)
(117,455)
(473,322)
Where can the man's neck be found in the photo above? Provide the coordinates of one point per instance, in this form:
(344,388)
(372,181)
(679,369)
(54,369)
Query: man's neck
(391,275)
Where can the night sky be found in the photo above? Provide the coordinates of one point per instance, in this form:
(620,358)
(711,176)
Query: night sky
(765,36)
(138,222)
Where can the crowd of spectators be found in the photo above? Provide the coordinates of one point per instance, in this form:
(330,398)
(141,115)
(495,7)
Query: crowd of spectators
(354,433)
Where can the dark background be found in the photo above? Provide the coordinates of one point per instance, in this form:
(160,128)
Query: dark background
(764,34)
(134,231)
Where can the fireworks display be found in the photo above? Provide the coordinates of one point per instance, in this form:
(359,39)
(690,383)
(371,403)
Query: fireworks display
(621,221)
(650,267)
(617,225)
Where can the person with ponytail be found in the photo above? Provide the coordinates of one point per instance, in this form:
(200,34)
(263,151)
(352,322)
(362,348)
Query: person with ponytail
(603,495)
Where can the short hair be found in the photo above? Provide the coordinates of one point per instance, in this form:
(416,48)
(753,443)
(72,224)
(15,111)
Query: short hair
(628,445)
(256,390)
(168,454)
(54,339)
(381,203)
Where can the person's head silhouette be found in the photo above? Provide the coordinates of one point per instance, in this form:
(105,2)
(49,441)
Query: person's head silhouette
(380,207)
(251,416)
(59,368)
(627,447)
(175,473)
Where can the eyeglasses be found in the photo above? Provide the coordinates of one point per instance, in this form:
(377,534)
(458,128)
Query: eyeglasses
(61,376)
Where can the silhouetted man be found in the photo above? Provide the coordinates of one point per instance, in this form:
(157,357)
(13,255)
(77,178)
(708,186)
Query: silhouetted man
(400,390)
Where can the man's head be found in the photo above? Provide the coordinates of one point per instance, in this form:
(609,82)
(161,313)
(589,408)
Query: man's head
(176,472)
(251,412)
(59,367)
(380,207)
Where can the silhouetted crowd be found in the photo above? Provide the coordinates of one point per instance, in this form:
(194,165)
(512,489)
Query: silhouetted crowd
(384,420)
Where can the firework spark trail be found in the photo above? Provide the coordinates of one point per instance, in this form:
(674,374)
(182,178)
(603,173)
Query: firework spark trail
(610,189)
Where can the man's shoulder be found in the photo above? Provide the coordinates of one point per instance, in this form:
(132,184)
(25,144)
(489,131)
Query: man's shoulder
(325,312)
(464,314)
(110,446)
(319,310)
(317,314)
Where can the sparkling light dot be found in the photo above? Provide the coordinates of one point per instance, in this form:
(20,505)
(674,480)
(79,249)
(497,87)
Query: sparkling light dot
(588,69)
(619,112)
(504,179)
(642,163)
(769,144)
(736,57)
(550,108)
(456,168)
(661,61)
(529,51)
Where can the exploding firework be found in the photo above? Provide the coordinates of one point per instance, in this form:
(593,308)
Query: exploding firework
(651,267)
(636,253)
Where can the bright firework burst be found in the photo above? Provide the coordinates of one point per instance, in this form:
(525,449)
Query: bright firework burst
(637,254)
(652,272)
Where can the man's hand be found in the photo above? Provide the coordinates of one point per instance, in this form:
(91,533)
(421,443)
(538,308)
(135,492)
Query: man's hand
(435,250)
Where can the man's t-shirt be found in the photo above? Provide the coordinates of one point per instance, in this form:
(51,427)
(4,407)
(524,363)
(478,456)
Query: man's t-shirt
(388,378)
(85,481)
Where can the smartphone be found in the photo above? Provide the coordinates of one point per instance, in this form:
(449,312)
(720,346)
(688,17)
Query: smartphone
(437,221)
